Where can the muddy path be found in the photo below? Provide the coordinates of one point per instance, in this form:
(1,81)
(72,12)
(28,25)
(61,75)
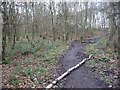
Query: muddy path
(82,77)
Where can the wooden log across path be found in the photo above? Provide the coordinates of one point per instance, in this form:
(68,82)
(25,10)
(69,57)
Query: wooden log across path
(67,72)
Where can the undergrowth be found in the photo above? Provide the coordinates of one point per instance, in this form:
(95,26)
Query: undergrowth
(104,62)
(34,64)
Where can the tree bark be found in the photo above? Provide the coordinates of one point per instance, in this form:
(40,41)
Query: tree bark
(118,27)
(4,29)
(52,19)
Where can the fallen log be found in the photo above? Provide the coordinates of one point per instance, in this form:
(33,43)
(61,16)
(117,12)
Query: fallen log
(87,42)
(67,72)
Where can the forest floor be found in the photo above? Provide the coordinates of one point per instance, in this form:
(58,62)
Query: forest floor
(28,67)
(82,77)
(37,67)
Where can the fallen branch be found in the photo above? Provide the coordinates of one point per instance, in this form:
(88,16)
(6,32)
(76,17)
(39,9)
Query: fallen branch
(67,72)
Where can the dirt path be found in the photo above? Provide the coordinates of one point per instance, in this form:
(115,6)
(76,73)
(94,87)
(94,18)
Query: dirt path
(81,77)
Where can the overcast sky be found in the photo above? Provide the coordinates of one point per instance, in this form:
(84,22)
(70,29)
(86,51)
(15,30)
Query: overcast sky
(64,0)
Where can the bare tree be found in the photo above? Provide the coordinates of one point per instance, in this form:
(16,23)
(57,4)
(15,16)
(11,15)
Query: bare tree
(4,29)
(52,19)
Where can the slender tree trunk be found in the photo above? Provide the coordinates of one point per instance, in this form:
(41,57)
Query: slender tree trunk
(86,6)
(4,29)
(52,19)
(3,43)
(65,21)
(26,28)
(14,36)
(13,21)
(33,26)
(118,27)
(112,24)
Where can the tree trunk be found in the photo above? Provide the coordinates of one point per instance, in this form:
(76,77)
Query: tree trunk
(65,21)
(33,28)
(52,19)
(118,24)
(4,29)
(26,28)
(13,21)
(3,42)
(86,8)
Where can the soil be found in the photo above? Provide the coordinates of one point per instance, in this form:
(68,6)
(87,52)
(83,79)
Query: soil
(82,77)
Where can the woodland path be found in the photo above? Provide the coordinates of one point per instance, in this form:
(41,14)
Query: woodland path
(82,77)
